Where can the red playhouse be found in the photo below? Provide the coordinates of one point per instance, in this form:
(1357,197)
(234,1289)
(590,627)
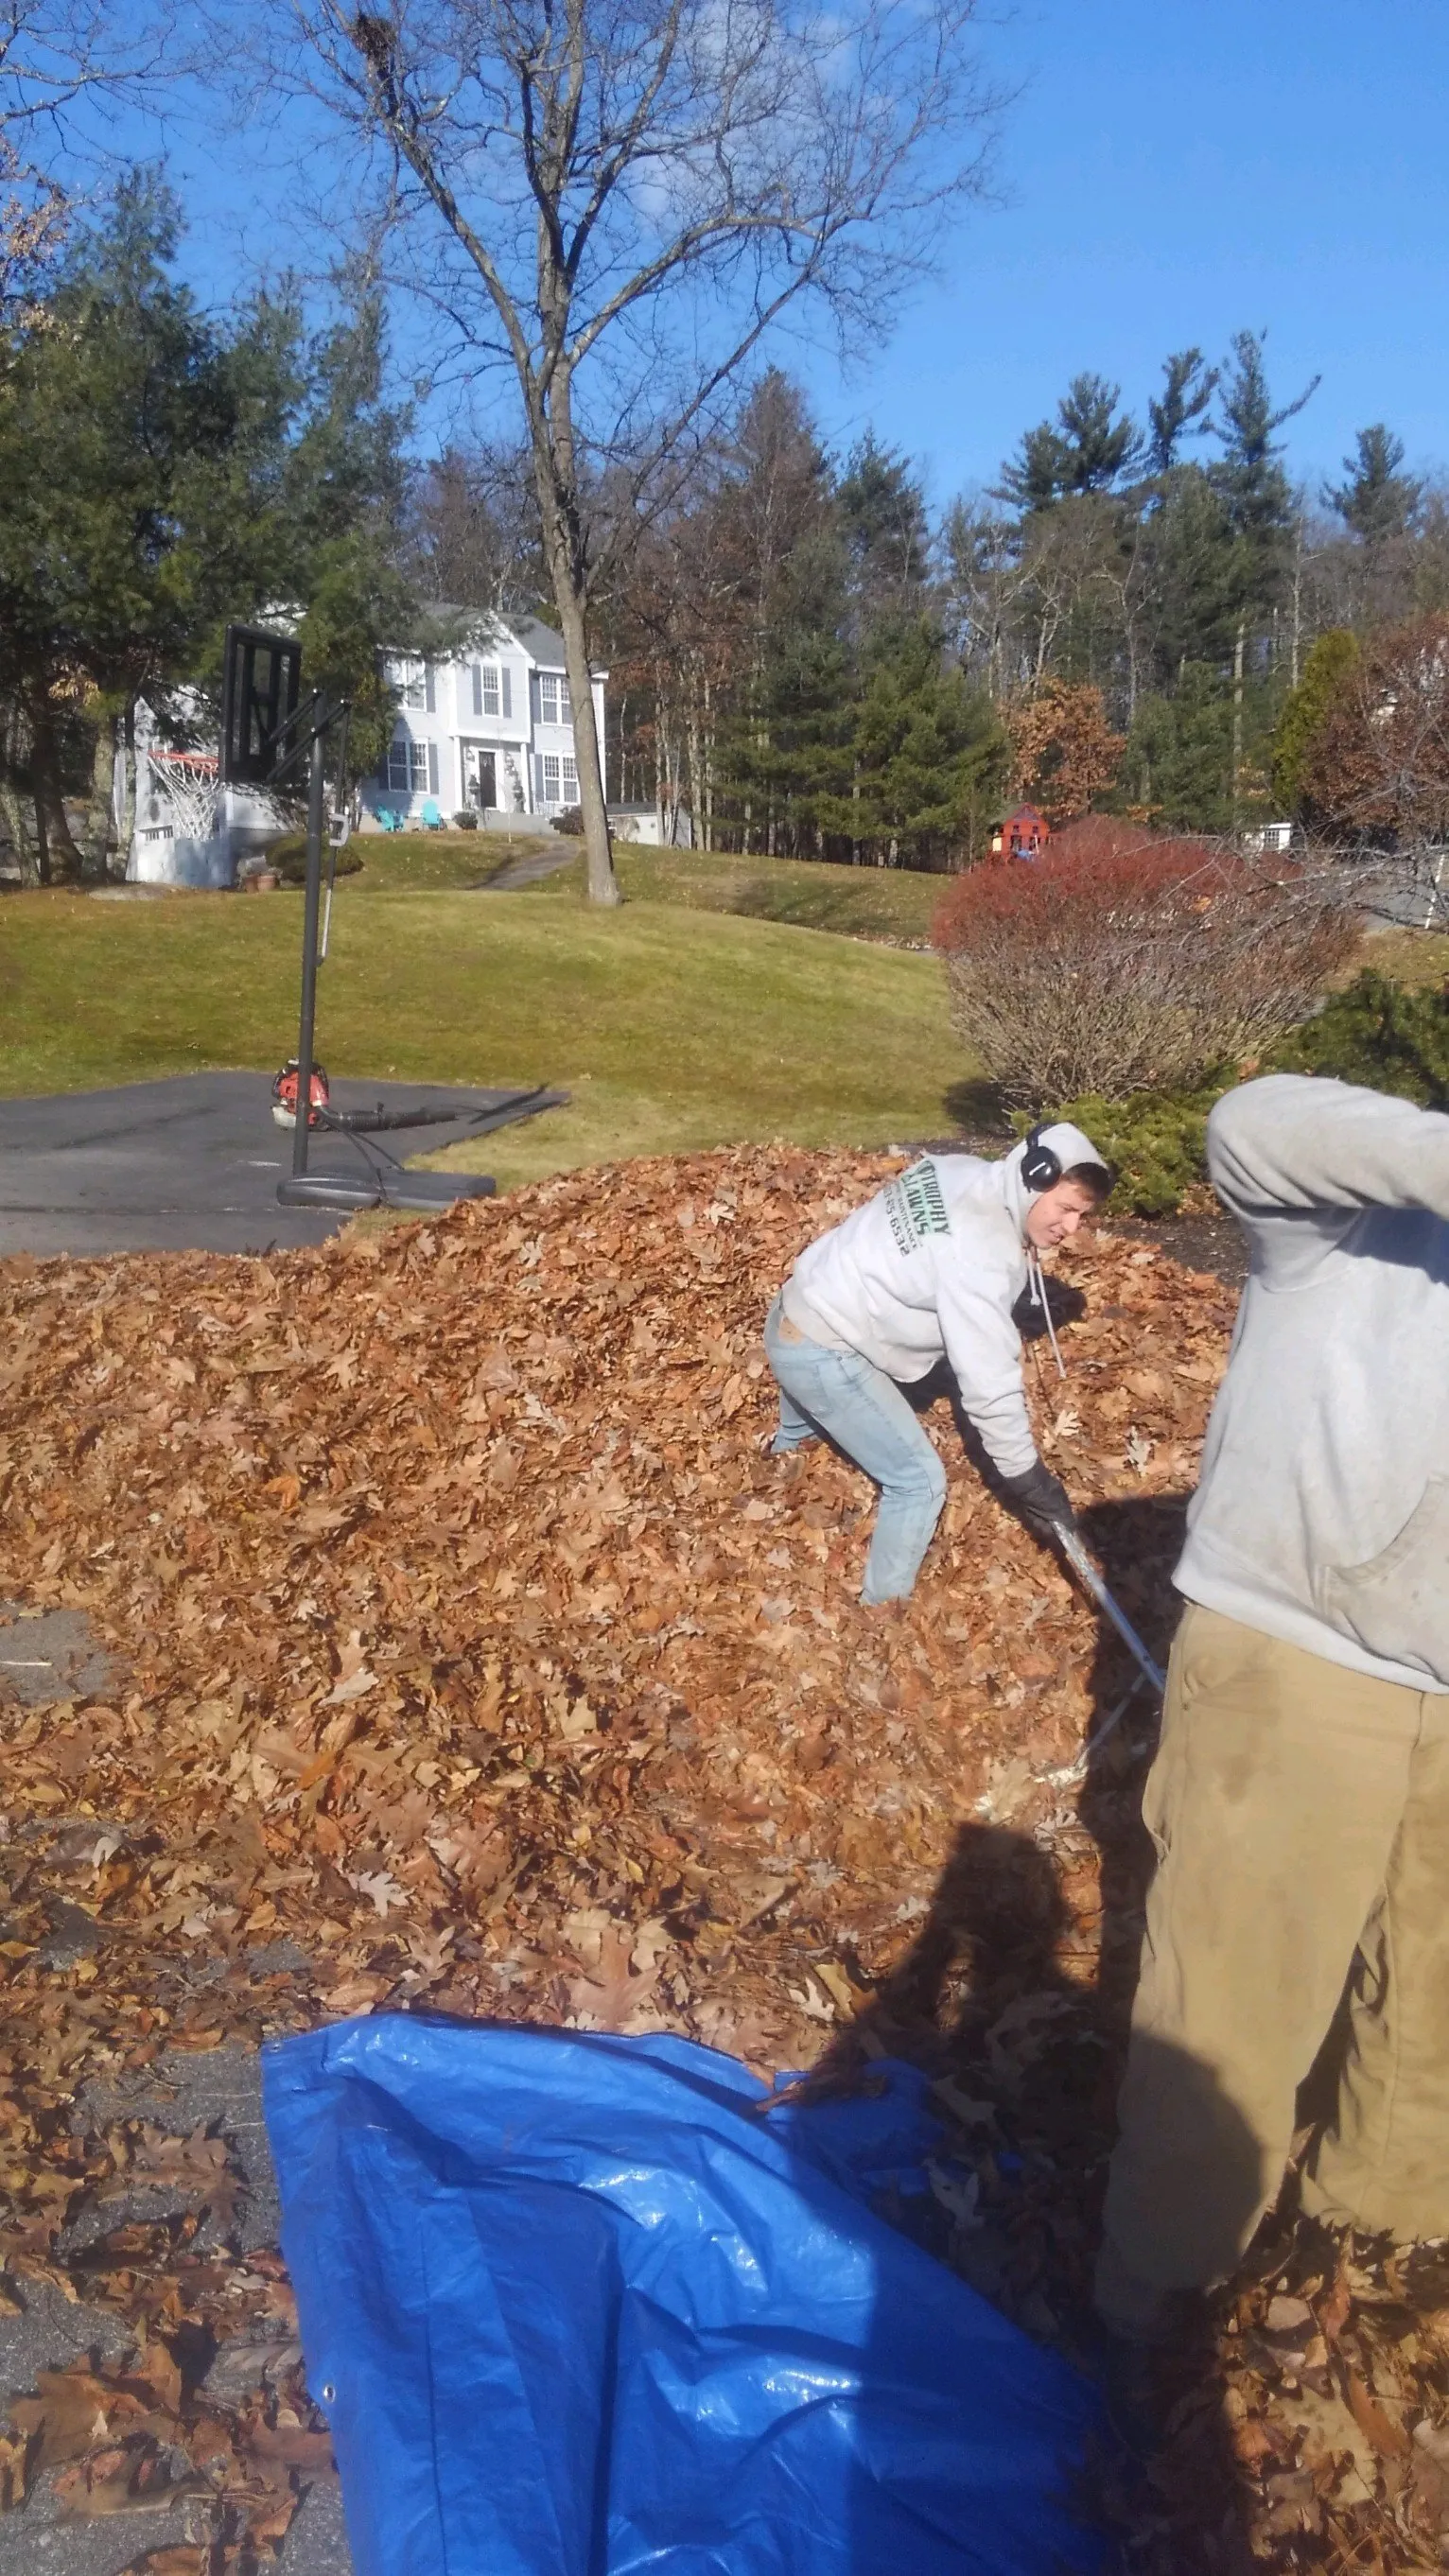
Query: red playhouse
(1023,835)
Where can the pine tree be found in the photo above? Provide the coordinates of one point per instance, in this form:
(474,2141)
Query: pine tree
(162,476)
(1249,475)
(1376,501)
(1188,386)
(1306,710)
(886,536)
(928,755)
(1090,448)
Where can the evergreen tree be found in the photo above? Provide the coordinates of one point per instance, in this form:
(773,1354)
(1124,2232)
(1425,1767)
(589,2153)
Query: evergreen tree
(1177,767)
(1376,501)
(782,732)
(886,536)
(162,477)
(1306,711)
(1089,448)
(1249,475)
(928,755)
(1188,386)
(1191,580)
(116,415)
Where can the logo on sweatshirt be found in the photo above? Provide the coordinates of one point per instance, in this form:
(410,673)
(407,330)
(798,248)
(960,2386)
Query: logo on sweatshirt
(915,1207)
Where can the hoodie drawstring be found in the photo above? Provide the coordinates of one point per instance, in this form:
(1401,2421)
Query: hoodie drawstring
(1040,1298)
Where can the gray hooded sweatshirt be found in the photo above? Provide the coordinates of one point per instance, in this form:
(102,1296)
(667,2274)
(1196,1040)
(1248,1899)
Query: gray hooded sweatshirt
(931,1267)
(1322,1515)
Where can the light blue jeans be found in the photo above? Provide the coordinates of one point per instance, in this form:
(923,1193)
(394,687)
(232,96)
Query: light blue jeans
(841,1395)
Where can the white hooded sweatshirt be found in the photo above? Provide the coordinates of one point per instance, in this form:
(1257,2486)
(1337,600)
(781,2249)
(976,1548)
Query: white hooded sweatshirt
(931,1267)
(1322,1514)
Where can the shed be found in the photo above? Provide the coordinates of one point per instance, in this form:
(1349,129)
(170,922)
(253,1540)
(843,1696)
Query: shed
(1022,834)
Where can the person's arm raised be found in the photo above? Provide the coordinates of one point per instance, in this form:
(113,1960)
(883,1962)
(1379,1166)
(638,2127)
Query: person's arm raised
(1292,1143)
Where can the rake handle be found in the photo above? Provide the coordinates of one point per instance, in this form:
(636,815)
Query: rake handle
(1086,1573)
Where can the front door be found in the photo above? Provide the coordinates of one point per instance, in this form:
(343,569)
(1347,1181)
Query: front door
(479,779)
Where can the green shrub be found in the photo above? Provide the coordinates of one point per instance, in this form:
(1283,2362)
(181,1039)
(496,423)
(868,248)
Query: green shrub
(289,858)
(1156,1142)
(1387,1036)
(1391,1037)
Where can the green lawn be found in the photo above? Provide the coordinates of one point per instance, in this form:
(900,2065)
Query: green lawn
(431,862)
(673,1026)
(1410,956)
(863,903)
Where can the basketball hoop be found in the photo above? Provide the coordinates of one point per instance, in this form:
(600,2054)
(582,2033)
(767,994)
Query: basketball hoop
(261,685)
(266,733)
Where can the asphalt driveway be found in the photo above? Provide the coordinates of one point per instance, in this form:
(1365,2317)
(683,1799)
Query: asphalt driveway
(191,1164)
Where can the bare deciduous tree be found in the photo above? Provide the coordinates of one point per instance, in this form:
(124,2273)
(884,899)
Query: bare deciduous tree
(54,55)
(618,198)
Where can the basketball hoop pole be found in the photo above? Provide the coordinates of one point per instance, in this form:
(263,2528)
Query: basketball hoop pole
(264,740)
(316,818)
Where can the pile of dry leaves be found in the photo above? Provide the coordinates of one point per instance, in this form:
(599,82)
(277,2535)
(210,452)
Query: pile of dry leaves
(472,1653)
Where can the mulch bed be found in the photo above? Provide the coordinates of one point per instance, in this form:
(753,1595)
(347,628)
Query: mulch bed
(475,1647)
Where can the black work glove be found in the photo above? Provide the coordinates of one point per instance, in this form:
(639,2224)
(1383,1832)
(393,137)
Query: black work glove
(1040,1500)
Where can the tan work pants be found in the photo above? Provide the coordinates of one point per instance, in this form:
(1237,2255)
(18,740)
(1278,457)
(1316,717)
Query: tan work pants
(1301,1818)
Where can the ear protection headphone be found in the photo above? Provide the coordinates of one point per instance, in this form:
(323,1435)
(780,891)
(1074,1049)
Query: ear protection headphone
(1040,1168)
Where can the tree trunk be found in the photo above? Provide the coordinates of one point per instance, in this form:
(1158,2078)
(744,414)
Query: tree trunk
(1237,717)
(60,860)
(126,831)
(554,476)
(42,845)
(603,885)
(100,832)
(14,804)
(1297,606)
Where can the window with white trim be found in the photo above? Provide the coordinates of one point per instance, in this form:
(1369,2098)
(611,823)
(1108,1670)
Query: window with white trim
(570,782)
(407,765)
(554,704)
(487,700)
(410,679)
(550,778)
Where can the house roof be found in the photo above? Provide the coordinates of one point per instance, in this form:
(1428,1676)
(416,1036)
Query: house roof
(544,648)
(539,641)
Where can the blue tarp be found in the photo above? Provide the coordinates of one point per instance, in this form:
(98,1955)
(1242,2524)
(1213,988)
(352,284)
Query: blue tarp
(579,2306)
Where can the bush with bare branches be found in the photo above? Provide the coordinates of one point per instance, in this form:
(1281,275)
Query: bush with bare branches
(1124,961)
(1377,768)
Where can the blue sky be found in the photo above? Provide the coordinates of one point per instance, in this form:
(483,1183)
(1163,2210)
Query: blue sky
(1179,170)
(1173,171)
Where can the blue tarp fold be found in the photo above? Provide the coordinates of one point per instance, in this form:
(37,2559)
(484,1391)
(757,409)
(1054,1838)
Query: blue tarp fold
(581,2306)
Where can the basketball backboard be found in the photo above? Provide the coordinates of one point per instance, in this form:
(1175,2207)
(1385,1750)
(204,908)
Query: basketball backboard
(261,683)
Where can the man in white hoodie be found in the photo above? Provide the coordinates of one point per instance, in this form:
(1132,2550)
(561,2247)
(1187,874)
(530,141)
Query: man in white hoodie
(931,1267)
(1300,1798)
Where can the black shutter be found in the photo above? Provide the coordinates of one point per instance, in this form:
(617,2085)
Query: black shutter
(432,769)
(477,688)
(507,690)
(430,695)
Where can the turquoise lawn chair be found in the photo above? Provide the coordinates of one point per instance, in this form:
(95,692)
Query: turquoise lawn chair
(432,815)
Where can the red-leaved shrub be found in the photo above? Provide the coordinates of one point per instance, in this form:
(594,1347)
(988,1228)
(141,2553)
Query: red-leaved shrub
(1125,961)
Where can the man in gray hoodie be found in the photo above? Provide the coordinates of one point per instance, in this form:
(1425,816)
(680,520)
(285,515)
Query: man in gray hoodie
(1299,1801)
(930,1268)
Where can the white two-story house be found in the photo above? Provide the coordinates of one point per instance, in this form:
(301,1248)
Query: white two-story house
(487,728)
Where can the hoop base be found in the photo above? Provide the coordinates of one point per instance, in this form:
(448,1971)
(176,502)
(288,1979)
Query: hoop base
(424,1192)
